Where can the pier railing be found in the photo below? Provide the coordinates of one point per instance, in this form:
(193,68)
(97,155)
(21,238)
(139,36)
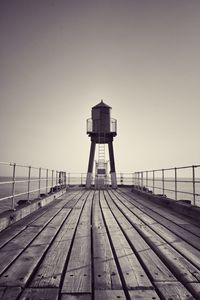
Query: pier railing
(22,182)
(27,182)
(178,183)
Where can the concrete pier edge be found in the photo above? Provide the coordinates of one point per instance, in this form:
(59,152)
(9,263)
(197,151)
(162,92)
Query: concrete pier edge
(180,206)
(10,217)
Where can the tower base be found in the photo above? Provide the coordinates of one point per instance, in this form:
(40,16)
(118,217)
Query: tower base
(88,180)
(113,180)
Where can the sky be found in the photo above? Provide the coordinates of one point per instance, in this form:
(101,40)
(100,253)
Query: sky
(58,58)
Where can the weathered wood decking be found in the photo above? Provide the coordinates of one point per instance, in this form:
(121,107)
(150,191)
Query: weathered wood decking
(101,245)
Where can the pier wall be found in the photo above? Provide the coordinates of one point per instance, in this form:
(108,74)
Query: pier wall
(10,217)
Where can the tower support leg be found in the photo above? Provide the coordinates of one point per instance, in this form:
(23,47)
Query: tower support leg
(90,165)
(112,166)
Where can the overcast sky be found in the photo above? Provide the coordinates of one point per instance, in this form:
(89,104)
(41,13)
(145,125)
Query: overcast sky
(59,58)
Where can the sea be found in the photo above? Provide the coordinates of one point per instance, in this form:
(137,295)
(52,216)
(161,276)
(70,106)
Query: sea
(21,187)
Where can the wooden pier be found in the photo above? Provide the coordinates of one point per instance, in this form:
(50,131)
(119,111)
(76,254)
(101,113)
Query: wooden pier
(101,245)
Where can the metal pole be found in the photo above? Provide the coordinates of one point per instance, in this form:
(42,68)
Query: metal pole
(60,178)
(68,179)
(39,184)
(81,180)
(141,180)
(13,187)
(163,181)
(153,181)
(65,179)
(47,174)
(56,179)
(29,178)
(52,172)
(175,175)
(193,183)
(147,179)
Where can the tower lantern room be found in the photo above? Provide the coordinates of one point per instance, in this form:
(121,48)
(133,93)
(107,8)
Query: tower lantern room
(101,129)
(101,118)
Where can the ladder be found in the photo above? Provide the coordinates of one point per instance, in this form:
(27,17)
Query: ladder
(101,156)
(101,165)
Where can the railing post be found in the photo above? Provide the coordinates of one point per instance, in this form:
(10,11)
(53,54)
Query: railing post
(132,179)
(56,179)
(13,187)
(175,181)
(52,172)
(47,174)
(81,180)
(39,183)
(138,180)
(60,178)
(121,179)
(141,180)
(65,179)
(193,183)
(68,179)
(153,182)
(163,181)
(146,179)
(29,179)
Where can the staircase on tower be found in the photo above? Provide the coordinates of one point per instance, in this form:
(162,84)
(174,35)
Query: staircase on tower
(101,175)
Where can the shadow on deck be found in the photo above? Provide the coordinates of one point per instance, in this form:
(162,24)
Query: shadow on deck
(100,245)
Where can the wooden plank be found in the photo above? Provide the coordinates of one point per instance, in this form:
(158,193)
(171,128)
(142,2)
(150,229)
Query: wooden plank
(82,199)
(37,218)
(50,270)
(181,246)
(165,221)
(36,294)
(78,274)
(144,295)
(195,289)
(173,290)
(76,297)
(176,229)
(67,197)
(170,238)
(182,220)
(110,295)
(16,246)
(182,268)
(77,196)
(9,233)
(133,273)
(155,267)
(21,269)
(45,218)
(9,293)
(106,276)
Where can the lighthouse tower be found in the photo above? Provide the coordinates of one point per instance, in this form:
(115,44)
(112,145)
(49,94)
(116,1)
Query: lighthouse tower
(101,129)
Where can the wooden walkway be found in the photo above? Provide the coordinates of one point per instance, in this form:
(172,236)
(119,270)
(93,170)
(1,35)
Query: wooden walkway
(101,245)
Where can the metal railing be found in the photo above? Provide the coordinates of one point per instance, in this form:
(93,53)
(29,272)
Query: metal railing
(18,181)
(95,126)
(178,183)
(22,181)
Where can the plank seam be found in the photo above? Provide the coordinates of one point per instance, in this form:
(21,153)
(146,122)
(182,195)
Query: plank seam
(155,250)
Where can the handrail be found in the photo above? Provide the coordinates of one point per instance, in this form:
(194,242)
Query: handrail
(168,182)
(55,177)
(160,176)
